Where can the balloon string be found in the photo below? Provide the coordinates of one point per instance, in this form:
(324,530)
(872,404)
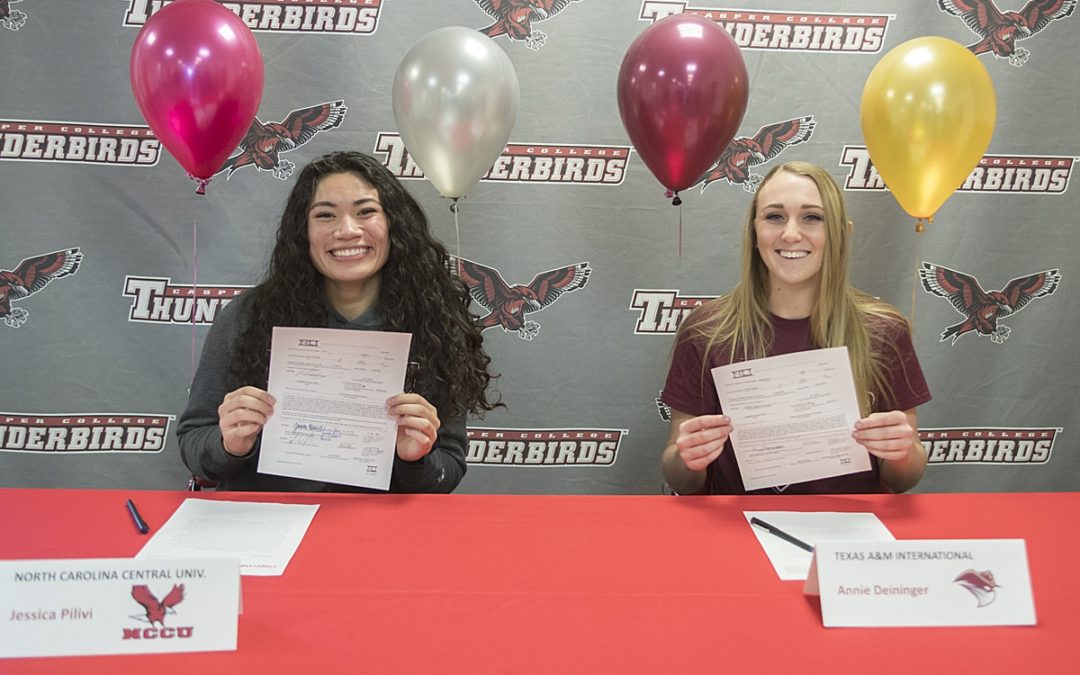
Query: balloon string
(680,230)
(194,284)
(457,229)
(914,286)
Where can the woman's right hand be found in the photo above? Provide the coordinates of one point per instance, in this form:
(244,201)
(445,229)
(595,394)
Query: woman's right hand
(701,440)
(241,417)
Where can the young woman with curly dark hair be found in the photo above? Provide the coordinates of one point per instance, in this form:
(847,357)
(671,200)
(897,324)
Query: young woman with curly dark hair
(353,251)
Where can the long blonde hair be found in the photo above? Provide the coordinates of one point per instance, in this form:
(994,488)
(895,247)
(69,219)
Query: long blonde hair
(739,323)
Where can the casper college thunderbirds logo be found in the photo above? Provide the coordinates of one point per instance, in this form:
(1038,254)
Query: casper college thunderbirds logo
(514,18)
(323,17)
(980,308)
(507,305)
(266,140)
(30,276)
(12,19)
(742,153)
(999,31)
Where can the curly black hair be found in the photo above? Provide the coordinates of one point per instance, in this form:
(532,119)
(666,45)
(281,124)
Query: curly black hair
(417,292)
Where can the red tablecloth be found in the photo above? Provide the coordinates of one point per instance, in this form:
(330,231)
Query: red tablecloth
(566,584)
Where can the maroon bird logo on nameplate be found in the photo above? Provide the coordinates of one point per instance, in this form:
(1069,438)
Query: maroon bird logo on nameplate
(155,609)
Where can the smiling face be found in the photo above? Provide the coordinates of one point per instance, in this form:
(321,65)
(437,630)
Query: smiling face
(348,237)
(790,236)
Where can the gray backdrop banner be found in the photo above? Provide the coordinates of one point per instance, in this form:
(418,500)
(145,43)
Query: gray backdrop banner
(96,364)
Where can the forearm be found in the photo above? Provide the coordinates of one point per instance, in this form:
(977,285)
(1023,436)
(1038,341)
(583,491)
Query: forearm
(903,474)
(678,476)
(205,456)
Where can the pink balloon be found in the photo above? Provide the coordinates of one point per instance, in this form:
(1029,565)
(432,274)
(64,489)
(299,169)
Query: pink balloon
(682,92)
(197,75)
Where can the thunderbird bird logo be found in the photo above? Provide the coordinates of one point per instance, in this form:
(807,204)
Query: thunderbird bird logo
(998,31)
(263,142)
(507,305)
(514,18)
(155,609)
(983,309)
(979,584)
(30,276)
(742,153)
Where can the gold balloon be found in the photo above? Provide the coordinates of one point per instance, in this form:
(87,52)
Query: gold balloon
(927,115)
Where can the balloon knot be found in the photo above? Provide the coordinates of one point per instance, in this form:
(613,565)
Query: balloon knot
(677,201)
(920,226)
(668,194)
(453,205)
(202,183)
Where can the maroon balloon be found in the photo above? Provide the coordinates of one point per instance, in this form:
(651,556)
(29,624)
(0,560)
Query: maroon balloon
(682,94)
(197,75)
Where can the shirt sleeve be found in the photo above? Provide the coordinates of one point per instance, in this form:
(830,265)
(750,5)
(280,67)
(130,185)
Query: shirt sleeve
(904,374)
(689,387)
(201,446)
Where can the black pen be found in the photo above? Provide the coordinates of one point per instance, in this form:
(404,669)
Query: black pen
(780,533)
(140,524)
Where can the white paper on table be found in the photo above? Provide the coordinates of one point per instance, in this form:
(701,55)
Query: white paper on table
(330,421)
(264,535)
(792,417)
(793,563)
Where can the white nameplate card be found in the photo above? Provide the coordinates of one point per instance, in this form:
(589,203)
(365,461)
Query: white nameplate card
(118,606)
(941,582)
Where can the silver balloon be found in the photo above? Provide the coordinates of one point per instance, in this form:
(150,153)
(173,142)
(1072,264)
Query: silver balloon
(455,102)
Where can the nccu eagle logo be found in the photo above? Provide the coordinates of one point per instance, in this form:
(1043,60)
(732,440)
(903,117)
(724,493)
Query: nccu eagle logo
(999,30)
(742,153)
(980,584)
(12,19)
(157,609)
(981,308)
(507,305)
(29,277)
(264,141)
(514,18)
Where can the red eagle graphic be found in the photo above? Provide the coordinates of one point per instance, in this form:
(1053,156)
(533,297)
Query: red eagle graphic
(12,19)
(742,153)
(981,308)
(264,141)
(508,305)
(514,18)
(999,30)
(979,584)
(29,277)
(155,610)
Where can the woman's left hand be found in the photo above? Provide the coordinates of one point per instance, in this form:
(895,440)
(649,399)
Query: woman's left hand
(888,435)
(418,425)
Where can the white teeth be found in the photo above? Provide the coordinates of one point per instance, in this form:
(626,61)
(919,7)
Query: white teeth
(345,252)
(791,255)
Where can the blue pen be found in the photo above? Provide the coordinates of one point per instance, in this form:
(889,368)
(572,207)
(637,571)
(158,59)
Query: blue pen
(140,524)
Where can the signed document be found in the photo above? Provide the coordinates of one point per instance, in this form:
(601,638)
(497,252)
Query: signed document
(330,423)
(792,417)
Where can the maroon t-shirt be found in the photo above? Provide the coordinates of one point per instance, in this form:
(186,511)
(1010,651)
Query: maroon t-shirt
(689,389)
